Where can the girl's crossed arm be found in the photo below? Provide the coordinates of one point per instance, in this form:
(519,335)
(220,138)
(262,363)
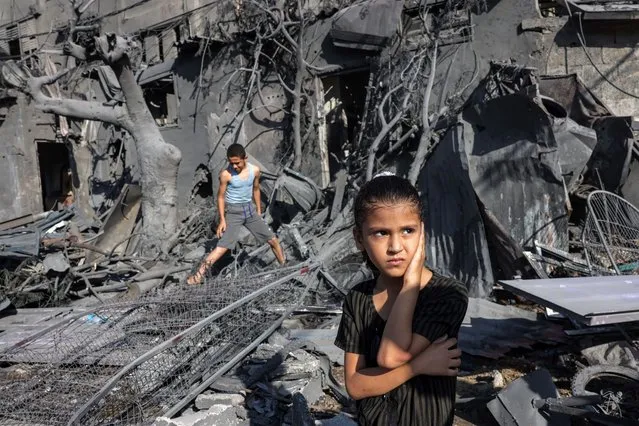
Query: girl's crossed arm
(362,382)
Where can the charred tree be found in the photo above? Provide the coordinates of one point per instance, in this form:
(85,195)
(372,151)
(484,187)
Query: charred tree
(158,160)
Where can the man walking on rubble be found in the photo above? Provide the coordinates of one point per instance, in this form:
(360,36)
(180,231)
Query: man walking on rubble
(238,203)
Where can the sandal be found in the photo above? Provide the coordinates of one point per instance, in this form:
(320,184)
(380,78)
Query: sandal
(195,279)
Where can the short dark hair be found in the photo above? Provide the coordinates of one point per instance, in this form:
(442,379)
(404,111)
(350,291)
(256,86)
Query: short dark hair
(384,190)
(235,150)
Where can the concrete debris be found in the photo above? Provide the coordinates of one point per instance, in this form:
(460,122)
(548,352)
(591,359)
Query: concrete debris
(195,255)
(612,353)
(205,401)
(323,340)
(216,415)
(530,187)
(55,262)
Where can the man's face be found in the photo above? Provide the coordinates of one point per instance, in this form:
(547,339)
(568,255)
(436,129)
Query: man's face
(238,163)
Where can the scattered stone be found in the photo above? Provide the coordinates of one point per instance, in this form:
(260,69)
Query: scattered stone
(228,384)
(498,380)
(217,415)
(205,401)
(292,324)
(196,254)
(613,353)
(323,340)
(303,365)
(55,262)
(266,351)
(278,339)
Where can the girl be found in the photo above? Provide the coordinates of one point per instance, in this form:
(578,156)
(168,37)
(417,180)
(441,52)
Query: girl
(398,330)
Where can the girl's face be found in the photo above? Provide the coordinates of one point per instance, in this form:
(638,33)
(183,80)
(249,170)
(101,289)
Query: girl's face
(390,236)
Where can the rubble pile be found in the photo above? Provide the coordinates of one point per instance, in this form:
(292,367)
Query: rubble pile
(530,191)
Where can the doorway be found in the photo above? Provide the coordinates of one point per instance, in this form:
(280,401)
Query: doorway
(55,175)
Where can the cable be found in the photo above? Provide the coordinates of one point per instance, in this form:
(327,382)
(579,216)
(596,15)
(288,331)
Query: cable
(582,41)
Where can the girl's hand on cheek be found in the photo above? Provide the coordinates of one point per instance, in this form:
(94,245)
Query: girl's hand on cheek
(438,359)
(413,274)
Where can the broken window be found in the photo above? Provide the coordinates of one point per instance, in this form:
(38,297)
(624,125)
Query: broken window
(159,46)
(55,173)
(551,8)
(161,98)
(18,40)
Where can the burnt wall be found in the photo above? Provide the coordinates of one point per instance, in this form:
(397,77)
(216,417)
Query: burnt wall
(21,193)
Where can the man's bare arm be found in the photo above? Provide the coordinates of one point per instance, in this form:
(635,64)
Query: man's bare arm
(257,196)
(225,177)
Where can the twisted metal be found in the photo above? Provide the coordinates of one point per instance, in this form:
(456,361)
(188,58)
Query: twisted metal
(128,363)
(611,235)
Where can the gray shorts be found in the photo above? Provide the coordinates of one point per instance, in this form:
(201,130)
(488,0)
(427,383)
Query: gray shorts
(238,215)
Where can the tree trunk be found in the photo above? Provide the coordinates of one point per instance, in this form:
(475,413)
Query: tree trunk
(158,160)
(81,167)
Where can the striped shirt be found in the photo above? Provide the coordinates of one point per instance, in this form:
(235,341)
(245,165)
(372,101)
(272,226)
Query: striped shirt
(423,400)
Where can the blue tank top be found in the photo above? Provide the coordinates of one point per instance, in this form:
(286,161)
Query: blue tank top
(240,191)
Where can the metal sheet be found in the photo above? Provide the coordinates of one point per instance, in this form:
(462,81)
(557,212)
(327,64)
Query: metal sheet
(590,300)
(457,243)
(120,223)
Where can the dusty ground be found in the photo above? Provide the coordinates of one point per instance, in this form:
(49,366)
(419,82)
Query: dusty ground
(481,384)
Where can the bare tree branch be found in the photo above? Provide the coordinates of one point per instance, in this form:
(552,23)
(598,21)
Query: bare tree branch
(424,141)
(372,151)
(74,50)
(74,108)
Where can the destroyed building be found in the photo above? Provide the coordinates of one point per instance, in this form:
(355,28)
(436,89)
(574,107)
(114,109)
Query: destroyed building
(515,119)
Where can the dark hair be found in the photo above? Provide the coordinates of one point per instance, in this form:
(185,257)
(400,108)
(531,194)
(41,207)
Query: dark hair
(384,190)
(235,150)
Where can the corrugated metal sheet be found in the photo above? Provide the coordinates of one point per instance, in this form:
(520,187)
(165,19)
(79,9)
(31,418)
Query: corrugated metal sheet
(494,183)
(457,243)
(24,241)
(515,170)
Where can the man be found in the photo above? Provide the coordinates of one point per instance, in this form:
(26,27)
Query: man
(238,202)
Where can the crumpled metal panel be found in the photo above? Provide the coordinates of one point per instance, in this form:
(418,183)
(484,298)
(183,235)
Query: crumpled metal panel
(367,25)
(514,166)
(24,241)
(492,187)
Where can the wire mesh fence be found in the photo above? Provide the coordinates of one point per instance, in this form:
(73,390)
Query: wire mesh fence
(611,235)
(128,363)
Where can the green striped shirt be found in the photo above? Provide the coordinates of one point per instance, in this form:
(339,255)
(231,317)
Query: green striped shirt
(423,400)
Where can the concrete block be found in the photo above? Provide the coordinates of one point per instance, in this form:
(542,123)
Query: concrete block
(266,351)
(217,415)
(299,367)
(206,401)
(227,384)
